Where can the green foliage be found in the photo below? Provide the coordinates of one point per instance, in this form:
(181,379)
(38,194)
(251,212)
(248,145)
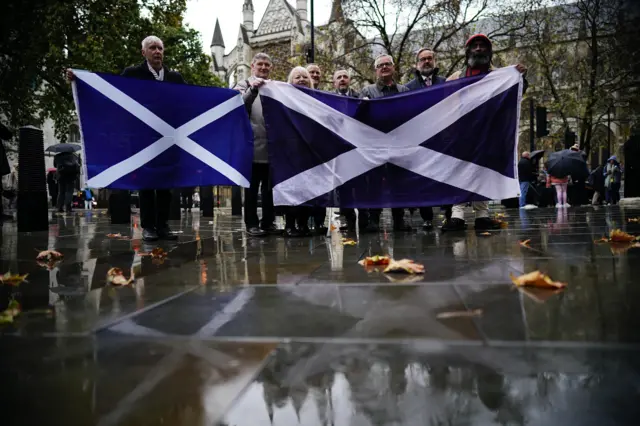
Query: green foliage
(41,38)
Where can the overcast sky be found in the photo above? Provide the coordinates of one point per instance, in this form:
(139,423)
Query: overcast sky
(201,15)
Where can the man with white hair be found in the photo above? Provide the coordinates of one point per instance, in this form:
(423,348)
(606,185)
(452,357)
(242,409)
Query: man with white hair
(385,86)
(154,204)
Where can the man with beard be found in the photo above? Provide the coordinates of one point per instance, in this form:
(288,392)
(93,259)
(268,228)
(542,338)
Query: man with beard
(426,75)
(478,54)
(385,86)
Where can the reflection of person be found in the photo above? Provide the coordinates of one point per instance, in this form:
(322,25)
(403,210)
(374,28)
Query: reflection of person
(187,198)
(87,196)
(612,180)
(68,170)
(525,176)
(5,169)
(52,185)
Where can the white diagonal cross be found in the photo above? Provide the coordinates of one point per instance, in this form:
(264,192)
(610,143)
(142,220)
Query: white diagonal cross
(170,135)
(375,148)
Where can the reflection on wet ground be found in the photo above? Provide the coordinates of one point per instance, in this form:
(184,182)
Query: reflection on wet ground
(230,330)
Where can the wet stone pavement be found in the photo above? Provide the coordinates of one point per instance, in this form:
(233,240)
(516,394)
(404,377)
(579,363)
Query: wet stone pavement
(230,330)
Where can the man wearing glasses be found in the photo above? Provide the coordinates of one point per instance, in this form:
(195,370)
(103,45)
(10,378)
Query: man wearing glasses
(385,86)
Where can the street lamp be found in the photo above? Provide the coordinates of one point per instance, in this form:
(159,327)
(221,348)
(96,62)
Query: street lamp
(312,50)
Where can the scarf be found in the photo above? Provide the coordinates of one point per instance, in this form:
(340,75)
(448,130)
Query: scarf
(159,76)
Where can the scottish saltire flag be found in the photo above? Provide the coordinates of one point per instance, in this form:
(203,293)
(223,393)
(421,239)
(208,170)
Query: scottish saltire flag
(447,144)
(140,134)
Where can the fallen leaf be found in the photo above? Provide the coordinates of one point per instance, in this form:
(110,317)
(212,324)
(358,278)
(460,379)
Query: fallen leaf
(525,243)
(485,234)
(375,260)
(536,279)
(332,227)
(459,314)
(12,311)
(407,266)
(13,280)
(503,224)
(500,215)
(49,258)
(633,220)
(119,236)
(620,248)
(619,236)
(115,276)
(348,242)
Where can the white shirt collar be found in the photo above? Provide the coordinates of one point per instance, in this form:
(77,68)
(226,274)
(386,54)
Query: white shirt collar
(159,76)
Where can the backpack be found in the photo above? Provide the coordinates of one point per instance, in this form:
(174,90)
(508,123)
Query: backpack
(68,164)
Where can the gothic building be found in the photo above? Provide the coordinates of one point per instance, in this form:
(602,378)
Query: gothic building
(283,33)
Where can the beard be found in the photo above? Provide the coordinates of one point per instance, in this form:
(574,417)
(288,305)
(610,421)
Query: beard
(478,59)
(426,71)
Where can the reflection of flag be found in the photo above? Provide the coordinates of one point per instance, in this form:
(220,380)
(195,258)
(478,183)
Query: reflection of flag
(451,143)
(140,134)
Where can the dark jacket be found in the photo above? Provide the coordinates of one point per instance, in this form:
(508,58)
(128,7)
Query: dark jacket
(525,170)
(350,93)
(378,90)
(142,72)
(418,81)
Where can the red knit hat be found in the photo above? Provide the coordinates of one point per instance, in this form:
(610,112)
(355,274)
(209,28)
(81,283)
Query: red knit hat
(475,36)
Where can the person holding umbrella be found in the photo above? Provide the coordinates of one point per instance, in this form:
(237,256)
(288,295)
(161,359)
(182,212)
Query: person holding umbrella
(612,180)
(560,166)
(67,165)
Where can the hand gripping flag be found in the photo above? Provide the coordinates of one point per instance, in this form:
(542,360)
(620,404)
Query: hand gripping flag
(141,134)
(449,144)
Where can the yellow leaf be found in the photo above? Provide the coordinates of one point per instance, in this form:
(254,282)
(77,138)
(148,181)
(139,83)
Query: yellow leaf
(375,260)
(406,266)
(13,280)
(525,243)
(536,279)
(348,242)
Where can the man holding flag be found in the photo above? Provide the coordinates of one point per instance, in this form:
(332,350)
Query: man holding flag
(154,204)
(478,54)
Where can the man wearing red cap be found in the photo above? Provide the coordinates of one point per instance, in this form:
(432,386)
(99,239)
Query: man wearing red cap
(478,55)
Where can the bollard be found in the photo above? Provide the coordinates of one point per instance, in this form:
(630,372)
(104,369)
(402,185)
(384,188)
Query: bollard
(174,206)
(33,205)
(206,201)
(120,206)
(236,201)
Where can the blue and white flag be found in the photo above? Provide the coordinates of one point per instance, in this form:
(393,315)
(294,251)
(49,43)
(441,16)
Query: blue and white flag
(141,134)
(448,144)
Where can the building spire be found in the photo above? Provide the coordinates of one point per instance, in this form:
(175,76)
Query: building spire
(217,36)
(336,11)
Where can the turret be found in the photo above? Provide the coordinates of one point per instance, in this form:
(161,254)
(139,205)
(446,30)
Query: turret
(217,45)
(301,8)
(247,15)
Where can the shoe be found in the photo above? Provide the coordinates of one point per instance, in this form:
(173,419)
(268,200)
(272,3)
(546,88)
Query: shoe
(149,234)
(427,225)
(566,205)
(558,205)
(291,233)
(166,234)
(254,231)
(485,223)
(454,224)
(271,229)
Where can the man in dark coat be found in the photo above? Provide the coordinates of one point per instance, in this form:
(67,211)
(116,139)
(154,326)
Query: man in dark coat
(526,175)
(154,204)
(426,75)
(5,169)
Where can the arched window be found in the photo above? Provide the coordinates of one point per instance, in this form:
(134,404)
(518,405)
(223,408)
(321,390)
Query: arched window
(74,133)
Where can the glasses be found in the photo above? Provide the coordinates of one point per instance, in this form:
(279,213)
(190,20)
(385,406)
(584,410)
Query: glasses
(425,59)
(384,64)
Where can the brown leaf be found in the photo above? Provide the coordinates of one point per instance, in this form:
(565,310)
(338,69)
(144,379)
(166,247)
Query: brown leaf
(503,224)
(525,243)
(619,236)
(375,260)
(49,255)
(601,240)
(459,314)
(485,234)
(406,266)
(13,279)
(116,276)
(536,279)
(348,242)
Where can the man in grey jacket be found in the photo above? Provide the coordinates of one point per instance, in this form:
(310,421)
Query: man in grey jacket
(260,174)
(385,86)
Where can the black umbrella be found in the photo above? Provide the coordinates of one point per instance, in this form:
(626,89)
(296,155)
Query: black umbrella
(536,154)
(64,147)
(566,162)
